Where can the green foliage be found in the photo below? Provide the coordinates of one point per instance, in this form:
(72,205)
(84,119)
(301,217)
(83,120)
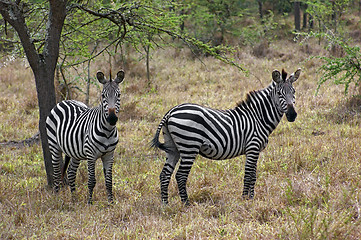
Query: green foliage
(36,16)
(143,25)
(256,32)
(342,64)
(327,13)
(344,69)
(209,21)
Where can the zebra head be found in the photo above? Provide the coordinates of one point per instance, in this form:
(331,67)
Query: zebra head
(285,92)
(111,96)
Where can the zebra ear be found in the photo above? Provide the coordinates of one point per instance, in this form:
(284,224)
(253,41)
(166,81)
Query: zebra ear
(101,78)
(276,76)
(120,77)
(294,76)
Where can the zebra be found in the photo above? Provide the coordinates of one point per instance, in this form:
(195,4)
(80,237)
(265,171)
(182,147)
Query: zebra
(191,129)
(83,133)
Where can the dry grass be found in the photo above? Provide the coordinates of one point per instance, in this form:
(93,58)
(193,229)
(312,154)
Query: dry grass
(308,184)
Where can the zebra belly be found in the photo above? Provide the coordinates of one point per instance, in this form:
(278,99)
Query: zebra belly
(209,152)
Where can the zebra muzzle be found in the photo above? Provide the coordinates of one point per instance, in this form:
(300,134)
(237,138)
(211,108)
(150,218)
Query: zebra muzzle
(112,117)
(291,113)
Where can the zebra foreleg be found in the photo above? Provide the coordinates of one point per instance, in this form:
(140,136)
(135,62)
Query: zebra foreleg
(166,174)
(250,174)
(108,161)
(91,179)
(182,176)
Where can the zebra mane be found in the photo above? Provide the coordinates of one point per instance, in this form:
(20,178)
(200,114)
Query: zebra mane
(250,96)
(247,100)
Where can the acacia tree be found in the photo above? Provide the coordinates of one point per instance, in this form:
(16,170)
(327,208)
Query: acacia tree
(113,21)
(42,61)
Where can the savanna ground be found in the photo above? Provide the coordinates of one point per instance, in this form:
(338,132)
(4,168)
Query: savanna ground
(309,176)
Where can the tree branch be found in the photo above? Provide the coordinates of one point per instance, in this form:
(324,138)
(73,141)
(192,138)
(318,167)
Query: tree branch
(119,18)
(12,13)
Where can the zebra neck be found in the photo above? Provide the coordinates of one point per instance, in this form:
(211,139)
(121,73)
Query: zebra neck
(103,121)
(262,106)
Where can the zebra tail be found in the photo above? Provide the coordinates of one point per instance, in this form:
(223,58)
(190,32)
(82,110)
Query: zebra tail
(65,166)
(155,141)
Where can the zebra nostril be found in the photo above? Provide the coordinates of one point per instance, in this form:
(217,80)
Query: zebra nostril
(291,114)
(112,117)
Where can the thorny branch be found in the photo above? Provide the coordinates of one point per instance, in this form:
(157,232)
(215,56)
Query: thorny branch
(119,18)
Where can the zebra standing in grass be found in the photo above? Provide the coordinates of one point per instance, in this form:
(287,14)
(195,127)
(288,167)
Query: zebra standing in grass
(190,129)
(83,133)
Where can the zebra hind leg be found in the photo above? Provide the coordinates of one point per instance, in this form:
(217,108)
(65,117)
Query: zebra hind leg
(250,174)
(182,176)
(72,170)
(166,174)
(56,156)
(64,176)
(172,157)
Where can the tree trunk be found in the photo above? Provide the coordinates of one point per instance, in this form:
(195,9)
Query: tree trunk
(334,16)
(304,26)
(310,22)
(44,80)
(304,7)
(147,62)
(43,64)
(260,9)
(297,16)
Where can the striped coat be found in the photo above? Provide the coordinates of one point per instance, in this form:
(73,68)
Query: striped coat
(191,129)
(83,133)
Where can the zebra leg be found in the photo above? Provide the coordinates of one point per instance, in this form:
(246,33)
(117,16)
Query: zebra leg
(64,176)
(250,174)
(166,174)
(172,157)
(108,161)
(182,176)
(91,179)
(56,157)
(73,167)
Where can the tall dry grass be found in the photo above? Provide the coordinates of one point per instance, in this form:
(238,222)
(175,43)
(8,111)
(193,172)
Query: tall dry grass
(308,184)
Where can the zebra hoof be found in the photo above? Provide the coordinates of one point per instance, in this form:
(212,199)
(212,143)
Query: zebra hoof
(56,189)
(245,197)
(186,203)
(74,197)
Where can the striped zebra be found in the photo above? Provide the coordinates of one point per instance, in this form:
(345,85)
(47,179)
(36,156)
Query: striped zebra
(83,133)
(191,129)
